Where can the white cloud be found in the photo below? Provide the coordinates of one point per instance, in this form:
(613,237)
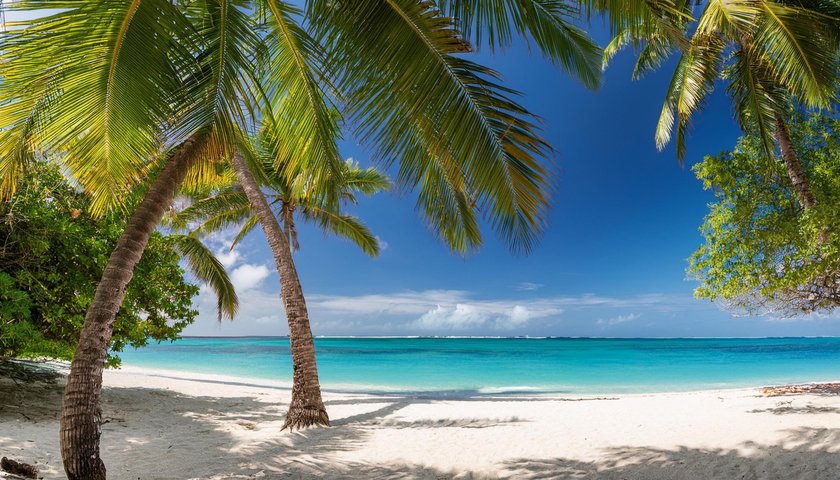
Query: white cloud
(400,303)
(618,319)
(459,317)
(383,245)
(528,286)
(268,319)
(248,276)
(434,312)
(228,257)
(519,315)
(418,303)
(486,315)
(260,313)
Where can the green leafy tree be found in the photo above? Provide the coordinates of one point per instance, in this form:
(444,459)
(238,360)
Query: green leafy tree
(762,254)
(52,255)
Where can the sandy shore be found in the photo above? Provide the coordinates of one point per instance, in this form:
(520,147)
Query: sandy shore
(171,425)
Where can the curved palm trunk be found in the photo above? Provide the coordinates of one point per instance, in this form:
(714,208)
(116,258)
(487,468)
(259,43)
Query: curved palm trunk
(794,169)
(306,407)
(81,413)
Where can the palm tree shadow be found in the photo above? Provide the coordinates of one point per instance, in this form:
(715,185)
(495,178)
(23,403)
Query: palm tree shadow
(153,433)
(806,453)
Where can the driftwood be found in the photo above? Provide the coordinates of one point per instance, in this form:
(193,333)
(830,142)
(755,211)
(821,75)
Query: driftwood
(15,468)
(813,388)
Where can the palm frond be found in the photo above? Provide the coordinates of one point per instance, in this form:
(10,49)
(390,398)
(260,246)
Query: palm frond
(548,23)
(366,181)
(620,40)
(729,18)
(803,47)
(247,227)
(302,124)
(404,70)
(114,67)
(221,93)
(755,95)
(344,226)
(450,211)
(643,18)
(231,200)
(693,81)
(656,51)
(207,268)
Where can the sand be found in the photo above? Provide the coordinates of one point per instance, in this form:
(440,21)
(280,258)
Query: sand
(175,425)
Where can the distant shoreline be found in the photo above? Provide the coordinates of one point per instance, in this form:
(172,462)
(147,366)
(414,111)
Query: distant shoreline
(510,393)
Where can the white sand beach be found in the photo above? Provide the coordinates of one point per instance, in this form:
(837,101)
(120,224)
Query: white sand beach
(176,425)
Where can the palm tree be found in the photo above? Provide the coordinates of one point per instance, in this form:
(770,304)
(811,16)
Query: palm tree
(771,53)
(301,197)
(117,88)
(122,88)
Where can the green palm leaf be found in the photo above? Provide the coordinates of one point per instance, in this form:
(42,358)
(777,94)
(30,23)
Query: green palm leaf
(113,66)
(405,70)
(249,225)
(803,47)
(755,95)
(204,265)
(693,81)
(547,23)
(344,226)
(304,126)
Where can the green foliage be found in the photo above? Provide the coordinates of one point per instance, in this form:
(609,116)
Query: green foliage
(52,253)
(306,197)
(763,253)
(767,52)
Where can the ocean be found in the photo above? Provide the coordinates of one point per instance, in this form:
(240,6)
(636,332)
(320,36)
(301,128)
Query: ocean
(457,367)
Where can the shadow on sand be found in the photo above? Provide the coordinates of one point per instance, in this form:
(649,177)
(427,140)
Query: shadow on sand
(151,433)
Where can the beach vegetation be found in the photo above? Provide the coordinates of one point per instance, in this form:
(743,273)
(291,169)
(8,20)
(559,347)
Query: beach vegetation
(764,253)
(52,252)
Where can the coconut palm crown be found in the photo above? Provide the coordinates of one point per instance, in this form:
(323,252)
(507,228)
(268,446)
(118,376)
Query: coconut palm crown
(770,53)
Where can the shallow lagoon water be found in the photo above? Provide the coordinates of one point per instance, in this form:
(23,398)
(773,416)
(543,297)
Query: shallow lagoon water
(492,366)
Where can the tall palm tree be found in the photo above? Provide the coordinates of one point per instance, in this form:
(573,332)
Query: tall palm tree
(117,88)
(301,197)
(121,88)
(770,52)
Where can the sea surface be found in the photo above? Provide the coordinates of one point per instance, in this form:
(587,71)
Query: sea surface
(491,366)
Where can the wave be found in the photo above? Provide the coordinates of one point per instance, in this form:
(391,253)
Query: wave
(510,389)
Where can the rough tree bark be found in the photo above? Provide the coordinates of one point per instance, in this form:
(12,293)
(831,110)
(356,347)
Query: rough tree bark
(81,413)
(306,407)
(794,169)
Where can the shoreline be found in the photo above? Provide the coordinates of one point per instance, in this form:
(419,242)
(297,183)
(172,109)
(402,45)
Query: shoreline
(163,427)
(376,391)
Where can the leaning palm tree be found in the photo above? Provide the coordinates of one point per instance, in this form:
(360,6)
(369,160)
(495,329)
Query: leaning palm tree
(120,90)
(303,198)
(123,88)
(770,52)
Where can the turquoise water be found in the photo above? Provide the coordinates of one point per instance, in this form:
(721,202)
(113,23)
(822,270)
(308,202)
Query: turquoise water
(475,366)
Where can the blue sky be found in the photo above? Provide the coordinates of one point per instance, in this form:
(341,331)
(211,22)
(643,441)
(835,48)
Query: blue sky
(612,262)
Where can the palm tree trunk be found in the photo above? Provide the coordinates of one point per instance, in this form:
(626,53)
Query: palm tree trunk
(794,169)
(306,407)
(81,413)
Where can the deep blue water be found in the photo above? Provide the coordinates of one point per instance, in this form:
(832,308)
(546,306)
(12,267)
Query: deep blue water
(460,366)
